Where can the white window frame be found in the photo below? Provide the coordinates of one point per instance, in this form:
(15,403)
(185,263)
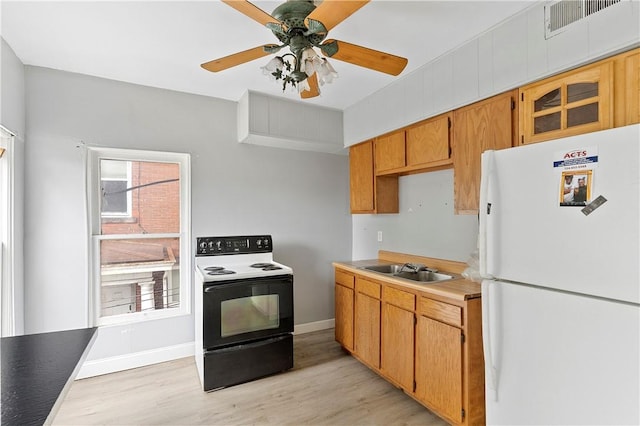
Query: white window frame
(7,240)
(94,155)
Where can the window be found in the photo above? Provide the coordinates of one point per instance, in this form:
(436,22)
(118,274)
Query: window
(139,210)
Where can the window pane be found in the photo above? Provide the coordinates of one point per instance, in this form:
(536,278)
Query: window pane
(139,275)
(582,115)
(548,100)
(546,123)
(139,197)
(579,91)
(114,198)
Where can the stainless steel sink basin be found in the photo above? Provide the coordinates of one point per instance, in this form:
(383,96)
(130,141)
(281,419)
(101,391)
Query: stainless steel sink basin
(384,269)
(423,276)
(400,271)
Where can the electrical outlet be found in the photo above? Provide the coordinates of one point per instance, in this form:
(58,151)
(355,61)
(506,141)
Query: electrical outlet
(379,236)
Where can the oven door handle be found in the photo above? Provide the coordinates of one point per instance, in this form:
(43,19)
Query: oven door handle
(209,289)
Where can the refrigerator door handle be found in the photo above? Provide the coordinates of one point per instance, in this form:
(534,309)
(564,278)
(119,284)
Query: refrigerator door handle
(487,341)
(486,192)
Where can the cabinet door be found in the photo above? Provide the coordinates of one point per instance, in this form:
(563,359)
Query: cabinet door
(428,141)
(397,345)
(632,92)
(484,125)
(439,367)
(361,177)
(367,324)
(569,104)
(344,316)
(390,152)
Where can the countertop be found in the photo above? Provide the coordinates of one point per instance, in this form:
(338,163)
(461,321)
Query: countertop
(457,288)
(37,371)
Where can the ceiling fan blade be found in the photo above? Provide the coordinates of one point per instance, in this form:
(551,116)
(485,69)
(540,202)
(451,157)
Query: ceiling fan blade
(332,12)
(314,90)
(252,11)
(239,58)
(367,58)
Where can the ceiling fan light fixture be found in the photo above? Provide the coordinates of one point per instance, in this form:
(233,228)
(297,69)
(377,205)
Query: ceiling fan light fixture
(326,72)
(276,63)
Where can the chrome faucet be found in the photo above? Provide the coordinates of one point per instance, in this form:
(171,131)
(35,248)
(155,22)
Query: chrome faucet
(412,266)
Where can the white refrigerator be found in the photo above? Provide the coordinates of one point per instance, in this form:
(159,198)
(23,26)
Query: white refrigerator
(559,253)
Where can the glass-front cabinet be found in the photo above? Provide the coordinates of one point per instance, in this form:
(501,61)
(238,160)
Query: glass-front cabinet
(568,104)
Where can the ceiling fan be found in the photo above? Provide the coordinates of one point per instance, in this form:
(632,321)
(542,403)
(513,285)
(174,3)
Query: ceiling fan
(301,26)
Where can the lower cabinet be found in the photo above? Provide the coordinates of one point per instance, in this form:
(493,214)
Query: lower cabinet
(367,322)
(398,319)
(344,300)
(425,344)
(439,367)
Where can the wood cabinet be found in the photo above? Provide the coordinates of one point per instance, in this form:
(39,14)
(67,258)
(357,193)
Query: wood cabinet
(488,124)
(419,147)
(627,88)
(424,342)
(390,152)
(344,308)
(397,340)
(429,142)
(367,321)
(571,103)
(370,193)
(439,348)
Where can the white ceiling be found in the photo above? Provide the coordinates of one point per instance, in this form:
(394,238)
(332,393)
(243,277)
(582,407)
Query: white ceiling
(162,43)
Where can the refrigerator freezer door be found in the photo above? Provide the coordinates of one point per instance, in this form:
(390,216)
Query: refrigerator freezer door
(529,238)
(561,358)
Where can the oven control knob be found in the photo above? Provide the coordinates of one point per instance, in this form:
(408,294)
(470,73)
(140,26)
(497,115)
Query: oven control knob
(203,245)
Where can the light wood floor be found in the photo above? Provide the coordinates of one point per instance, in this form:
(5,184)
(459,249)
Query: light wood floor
(325,387)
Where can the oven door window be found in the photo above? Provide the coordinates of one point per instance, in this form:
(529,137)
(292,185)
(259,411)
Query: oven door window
(249,314)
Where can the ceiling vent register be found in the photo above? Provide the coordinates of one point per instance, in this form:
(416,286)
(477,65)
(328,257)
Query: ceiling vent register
(558,15)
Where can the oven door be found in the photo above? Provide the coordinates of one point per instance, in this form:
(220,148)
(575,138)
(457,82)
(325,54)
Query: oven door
(247,309)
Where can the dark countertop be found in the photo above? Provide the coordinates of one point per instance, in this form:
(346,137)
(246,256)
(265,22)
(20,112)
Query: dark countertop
(37,371)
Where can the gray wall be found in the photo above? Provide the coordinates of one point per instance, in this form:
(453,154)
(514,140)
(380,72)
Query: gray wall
(513,53)
(12,117)
(301,198)
(425,224)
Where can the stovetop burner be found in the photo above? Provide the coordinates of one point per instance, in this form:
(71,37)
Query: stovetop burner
(221,272)
(265,266)
(214,268)
(261,265)
(271,268)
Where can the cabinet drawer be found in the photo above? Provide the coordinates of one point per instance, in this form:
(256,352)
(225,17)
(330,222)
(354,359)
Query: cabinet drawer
(368,287)
(444,312)
(399,298)
(344,278)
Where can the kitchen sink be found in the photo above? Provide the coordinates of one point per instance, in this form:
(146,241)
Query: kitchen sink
(384,269)
(423,274)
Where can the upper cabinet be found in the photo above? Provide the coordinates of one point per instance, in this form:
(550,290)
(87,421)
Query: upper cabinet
(361,177)
(594,97)
(568,104)
(488,124)
(390,152)
(627,88)
(421,146)
(370,193)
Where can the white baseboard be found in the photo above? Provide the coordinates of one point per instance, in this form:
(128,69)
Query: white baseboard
(314,326)
(113,364)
